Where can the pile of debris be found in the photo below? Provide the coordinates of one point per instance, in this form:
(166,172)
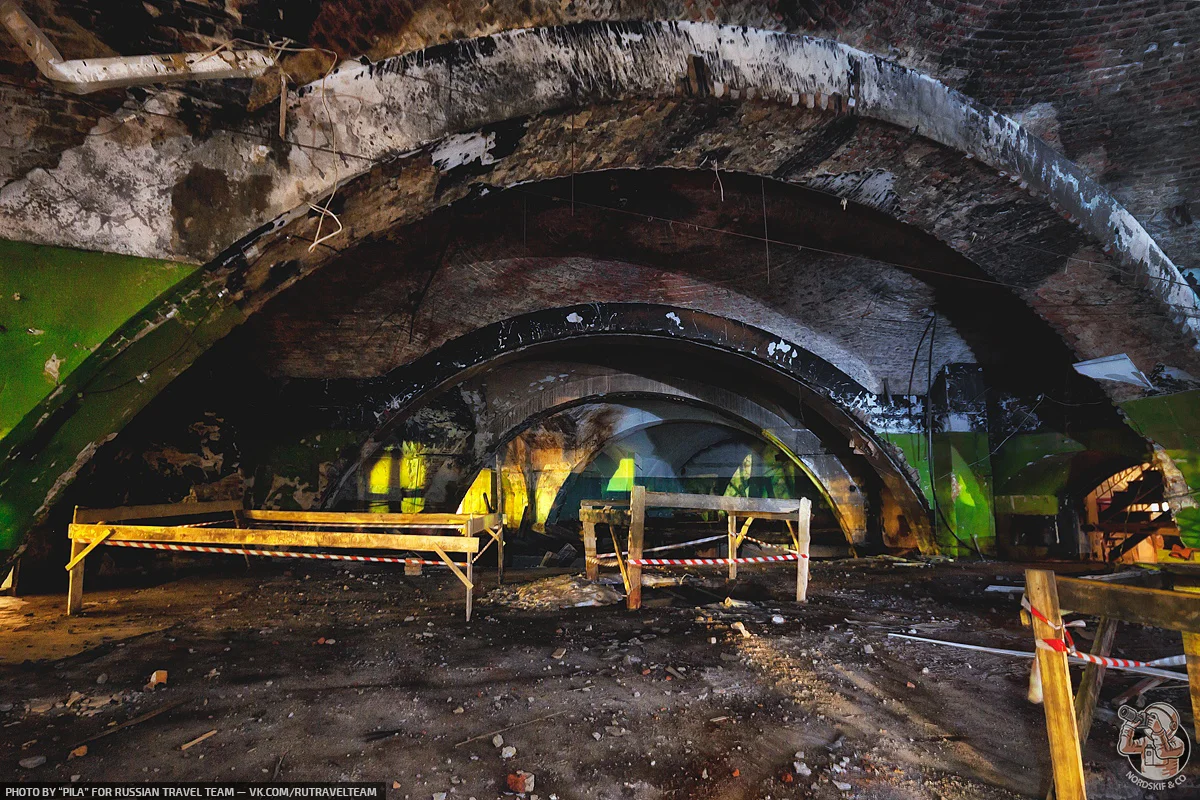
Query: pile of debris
(551,594)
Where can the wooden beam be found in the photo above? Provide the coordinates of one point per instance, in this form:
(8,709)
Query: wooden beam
(604,516)
(712,502)
(803,542)
(637,536)
(75,581)
(367,519)
(77,558)
(1154,607)
(1061,726)
(94,515)
(1093,678)
(590,565)
(1191,650)
(731,536)
(276,538)
(458,573)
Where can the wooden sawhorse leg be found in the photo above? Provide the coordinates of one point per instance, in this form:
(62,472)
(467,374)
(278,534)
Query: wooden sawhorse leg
(637,537)
(1061,726)
(75,579)
(802,543)
(465,578)
(591,565)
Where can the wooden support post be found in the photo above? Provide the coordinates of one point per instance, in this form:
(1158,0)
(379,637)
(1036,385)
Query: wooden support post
(733,546)
(802,540)
(75,580)
(1191,647)
(470,586)
(499,502)
(1089,685)
(589,551)
(637,536)
(1061,726)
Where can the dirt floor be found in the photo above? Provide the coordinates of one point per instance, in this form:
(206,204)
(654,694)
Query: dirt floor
(324,672)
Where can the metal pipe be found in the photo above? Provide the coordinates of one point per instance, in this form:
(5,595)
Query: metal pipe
(85,75)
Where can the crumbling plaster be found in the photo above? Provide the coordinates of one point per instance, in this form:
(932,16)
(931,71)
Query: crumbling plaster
(120,184)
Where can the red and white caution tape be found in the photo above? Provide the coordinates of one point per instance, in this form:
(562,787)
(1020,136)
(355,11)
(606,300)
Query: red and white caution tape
(1059,646)
(1067,645)
(1171,661)
(677,546)
(704,562)
(238,551)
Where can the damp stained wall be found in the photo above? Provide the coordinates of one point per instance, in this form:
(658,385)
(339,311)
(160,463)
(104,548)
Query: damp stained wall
(57,305)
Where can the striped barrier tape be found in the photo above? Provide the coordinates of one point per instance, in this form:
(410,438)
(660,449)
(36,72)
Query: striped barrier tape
(704,562)
(677,546)
(1105,661)
(238,551)
(1067,645)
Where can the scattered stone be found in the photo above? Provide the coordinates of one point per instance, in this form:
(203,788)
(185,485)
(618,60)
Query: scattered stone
(596,735)
(33,762)
(801,769)
(439,796)
(614,730)
(778,619)
(559,653)
(740,628)
(78,752)
(508,752)
(845,787)
(497,741)
(395,784)
(520,781)
(868,649)
(459,710)
(102,679)
(157,678)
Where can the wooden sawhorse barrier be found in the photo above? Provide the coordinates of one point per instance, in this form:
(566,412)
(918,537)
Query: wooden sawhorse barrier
(1068,719)
(227,528)
(796,513)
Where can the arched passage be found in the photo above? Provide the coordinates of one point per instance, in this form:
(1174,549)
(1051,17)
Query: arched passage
(842,405)
(834,99)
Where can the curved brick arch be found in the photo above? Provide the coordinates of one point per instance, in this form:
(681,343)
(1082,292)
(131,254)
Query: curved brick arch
(838,399)
(427,153)
(501,422)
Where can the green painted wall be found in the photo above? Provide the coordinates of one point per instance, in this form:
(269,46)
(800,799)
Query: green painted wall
(1174,422)
(70,302)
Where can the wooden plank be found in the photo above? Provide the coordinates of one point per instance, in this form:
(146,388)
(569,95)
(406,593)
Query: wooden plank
(458,573)
(604,504)
(276,538)
(1061,726)
(604,516)
(637,536)
(1191,649)
(75,581)
(803,542)
(77,558)
(470,582)
(590,565)
(365,519)
(1093,678)
(94,515)
(712,502)
(1160,609)
(731,536)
